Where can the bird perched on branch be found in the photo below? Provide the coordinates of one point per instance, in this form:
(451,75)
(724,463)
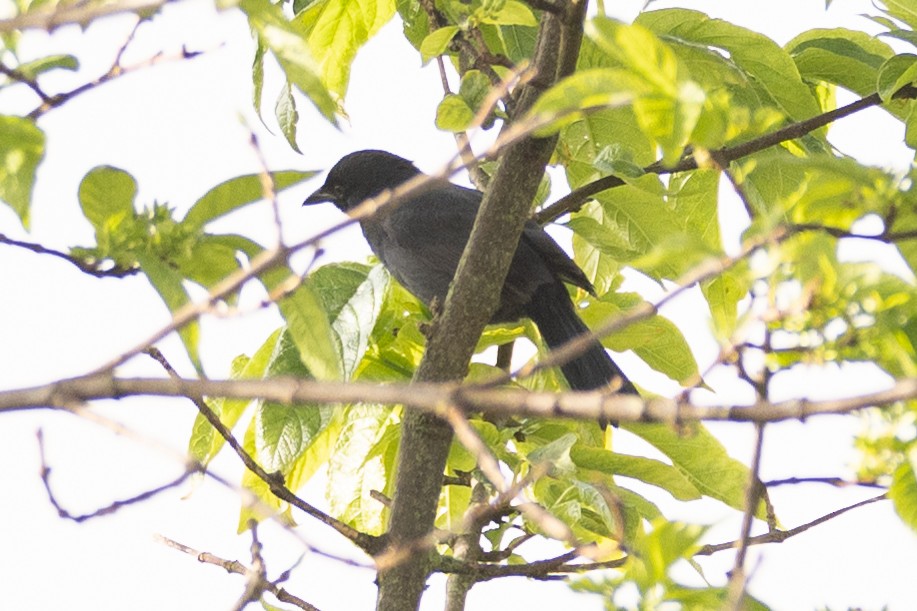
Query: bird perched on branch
(421,239)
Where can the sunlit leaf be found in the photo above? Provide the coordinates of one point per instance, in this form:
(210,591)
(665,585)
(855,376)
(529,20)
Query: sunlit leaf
(703,460)
(168,283)
(335,30)
(903,491)
(237,192)
(646,470)
(205,443)
(292,51)
(107,197)
(287,116)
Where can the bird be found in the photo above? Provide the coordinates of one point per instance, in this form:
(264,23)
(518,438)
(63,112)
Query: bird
(421,239)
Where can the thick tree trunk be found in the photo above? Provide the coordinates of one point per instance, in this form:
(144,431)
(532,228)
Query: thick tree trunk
(472,299)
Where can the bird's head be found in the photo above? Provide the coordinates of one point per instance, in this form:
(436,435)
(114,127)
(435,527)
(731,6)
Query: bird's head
(362,175)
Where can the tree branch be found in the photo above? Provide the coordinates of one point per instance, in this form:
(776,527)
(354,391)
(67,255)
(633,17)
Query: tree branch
(80,13)
(236,567)
(83,266)
(777,536)
(576,198)
(115,71)
(431,397)
(108,509)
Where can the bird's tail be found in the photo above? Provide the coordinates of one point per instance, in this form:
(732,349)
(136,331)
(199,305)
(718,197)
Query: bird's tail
(553,312)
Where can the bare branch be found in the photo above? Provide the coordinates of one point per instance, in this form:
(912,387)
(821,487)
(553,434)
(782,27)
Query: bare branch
(777,536)
(108,509)
(92,269)
(236,567)
(19,77)
(545,570)
(115,71)
(738,578)
(837,482)
(79,13)
(429,397)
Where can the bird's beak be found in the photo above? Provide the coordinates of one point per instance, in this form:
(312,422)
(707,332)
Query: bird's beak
(320,196)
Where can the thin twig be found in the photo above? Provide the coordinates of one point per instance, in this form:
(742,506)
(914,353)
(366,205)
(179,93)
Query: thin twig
(89,268)
(837,482)
(778,536)
(80,13)
(576,198)
(115,71)
(274,481)
(738,577)
(236,567)
(108,509)
(19,77)
(268,192)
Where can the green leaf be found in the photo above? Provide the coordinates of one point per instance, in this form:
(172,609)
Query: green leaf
(213,257)
(436,42)
(453,114)
(667,103)
(647,470)
(723,294)
(903,491)
(456,112)
(659,549)
(566,101)
(772,181)
(284,432)
(910,128)
(268,505)
(107,197)
(363,460)
(293,53)
(895,73)
(312,332)
(703,460)
(22,147)
(287,117)
(848,58)
(656,340)
(335,30)
(415,21)
(630,216)
(516,42)
(210,261)
(555,453)
(511,12)
(32,69)
(318,453)
(258,75)
(238,192)
(205,443)
(168,283)
(352,308)
(772,69)
(905,10)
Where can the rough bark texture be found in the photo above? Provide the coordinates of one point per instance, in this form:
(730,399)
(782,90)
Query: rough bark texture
(472,299)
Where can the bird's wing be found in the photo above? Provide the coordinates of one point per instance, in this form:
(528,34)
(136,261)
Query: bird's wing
(557,260)
(422,241)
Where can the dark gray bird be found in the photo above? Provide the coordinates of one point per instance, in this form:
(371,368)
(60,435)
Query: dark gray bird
(421,240)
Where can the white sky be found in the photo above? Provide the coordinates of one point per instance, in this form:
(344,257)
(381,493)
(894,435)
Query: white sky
(176,128)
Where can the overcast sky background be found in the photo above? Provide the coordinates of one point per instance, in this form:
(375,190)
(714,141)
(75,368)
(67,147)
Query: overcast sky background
(181,128)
